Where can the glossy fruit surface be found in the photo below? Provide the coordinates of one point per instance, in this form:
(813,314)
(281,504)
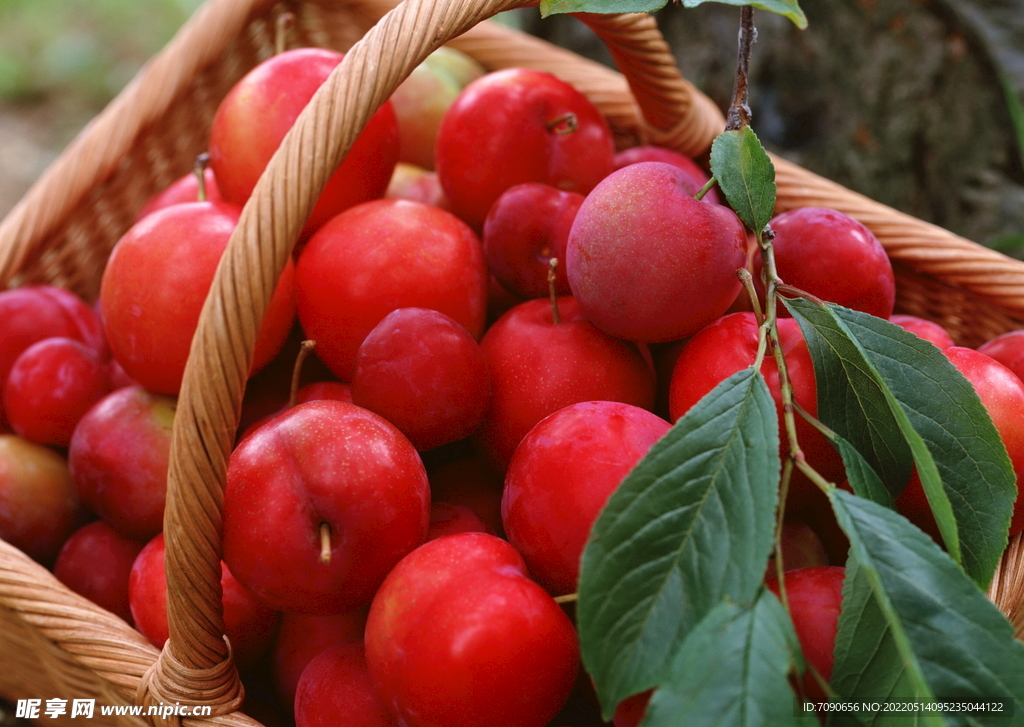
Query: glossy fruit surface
(729,345)
(154,286)
(381,256)
(560,477)
(815,598)
(253,119)
(648,262)
(459,636)
(119,457)
(530,127)
(424,373)
(538,366)
(834,257)
(322,463)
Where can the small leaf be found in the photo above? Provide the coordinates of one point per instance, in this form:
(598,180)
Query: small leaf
(951,641)
(864,480)
(733,671)
(960,458)
(690,526)
(746,175)
(557,7)
(786,8)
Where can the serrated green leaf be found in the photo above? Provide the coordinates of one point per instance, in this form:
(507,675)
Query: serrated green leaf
(733,671)
(786,8)
(960,458)
(862,478)
(746,176)
(851,400)
(951,641)
(558,7)
(690,526)
(867,665)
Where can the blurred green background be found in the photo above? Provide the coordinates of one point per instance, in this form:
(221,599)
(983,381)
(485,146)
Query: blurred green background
(61,61)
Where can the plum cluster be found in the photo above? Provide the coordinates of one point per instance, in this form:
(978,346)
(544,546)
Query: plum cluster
(507,315)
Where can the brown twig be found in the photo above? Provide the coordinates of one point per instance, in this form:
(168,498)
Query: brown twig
(739,112)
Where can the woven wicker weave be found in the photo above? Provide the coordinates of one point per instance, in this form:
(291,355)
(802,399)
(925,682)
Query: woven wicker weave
(55,644)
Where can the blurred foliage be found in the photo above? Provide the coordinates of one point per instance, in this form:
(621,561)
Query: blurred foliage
(88,47)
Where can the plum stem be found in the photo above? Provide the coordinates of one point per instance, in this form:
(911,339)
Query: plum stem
(552,293)
(325,543)
(199,169)
(281,27)
(739,111)
(748,285)
(567,598)
(305,348)
(705,189)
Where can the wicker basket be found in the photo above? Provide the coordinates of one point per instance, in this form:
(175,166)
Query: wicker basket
(54,643)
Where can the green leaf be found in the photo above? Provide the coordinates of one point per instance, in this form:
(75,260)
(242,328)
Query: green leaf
(733,671)
(557,7)
(746,176)
(786,8)
(867,665)
(862,478)
(690,526)
(851,399)
(949,640)
(960,458)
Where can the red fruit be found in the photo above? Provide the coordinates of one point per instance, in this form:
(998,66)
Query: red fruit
(35,312)
(96,562)
(253,119)
(538,366)
(527,226)
(381,256)
(631,710)
(833,256)
(185,189)
(39,507)
(697,175)
(560,477)
(1007,349)
(459,636)
(648,262)
(425,374)
(154,286)
(337,683)
(529,126)
(52,384)
(922,328)
(1002,395)
(300,638)
(815,598)
(801,547)
(448,519)
(119,457)
(729,345)
(322,464)
(248,624)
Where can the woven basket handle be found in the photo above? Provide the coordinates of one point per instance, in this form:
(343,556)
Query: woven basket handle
(194,666)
